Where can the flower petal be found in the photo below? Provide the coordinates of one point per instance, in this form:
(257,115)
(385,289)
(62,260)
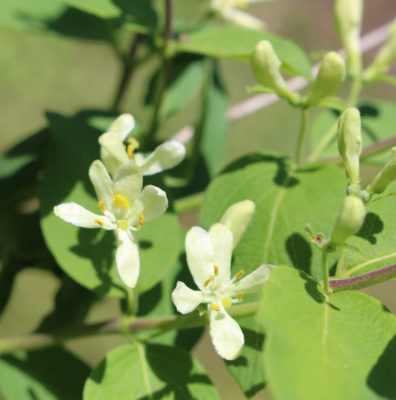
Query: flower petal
(165,156)
(127,259)
(112,151)
(77,215)
(200,255)
(102,183)
(128,181)
(154,202)
(222,240)
(186,299)
(237,218)
(227,336)
(242,18)
(122,125)
(252,283)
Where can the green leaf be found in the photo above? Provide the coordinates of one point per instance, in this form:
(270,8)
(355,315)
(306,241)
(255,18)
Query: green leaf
(238,42)
(378,123)
(153,371)
(318,348)
(50,374)
(286,200)
(88,255)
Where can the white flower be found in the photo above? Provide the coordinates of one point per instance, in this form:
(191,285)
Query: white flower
(230,10)
(114,153)
(209,260)
(125,206)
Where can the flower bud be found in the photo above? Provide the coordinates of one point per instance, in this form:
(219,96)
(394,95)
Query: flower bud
(385,176)
(330,77)
(384,58)
(237,218)
(349,220)
(266,69)
(348,20)
(350,142)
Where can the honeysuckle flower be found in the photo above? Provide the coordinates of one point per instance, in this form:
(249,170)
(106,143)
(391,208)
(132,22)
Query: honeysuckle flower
(230,10)
(124,206)
(209,260)
(114,153)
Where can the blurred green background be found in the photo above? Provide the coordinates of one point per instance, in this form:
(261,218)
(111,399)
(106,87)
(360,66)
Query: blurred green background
(48,71)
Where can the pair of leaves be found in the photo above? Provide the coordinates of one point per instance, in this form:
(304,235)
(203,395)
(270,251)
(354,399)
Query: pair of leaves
(88,255)
(148,372)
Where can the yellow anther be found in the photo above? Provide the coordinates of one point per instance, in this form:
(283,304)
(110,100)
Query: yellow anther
(102,206)
(99,221)
(208,281)
(214,307)
(132,146)
(130,152)
(120,200)
(240,295)
(134,143)
(216,270)
(141,220)
(239,274)
(227,301)
(123,224)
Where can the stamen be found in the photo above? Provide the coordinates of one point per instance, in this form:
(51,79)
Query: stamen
(123,224)
(99,221)
(132,146)
(214,307)
(216,270)
(102,206)
(227,301)
(130,152)
(239,274)
(120,200)
(141,220)
(240,295)
(206,283)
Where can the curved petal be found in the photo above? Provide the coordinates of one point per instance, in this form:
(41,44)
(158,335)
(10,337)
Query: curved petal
(102,183)
(128,181)
(122,125)
(186,299)
(127,259)
(237,218)
(222,240)
(243,19)
(77,215)
(165,156)
(154,202)
(252,283)
(112,151)
(200,255)
(227,336)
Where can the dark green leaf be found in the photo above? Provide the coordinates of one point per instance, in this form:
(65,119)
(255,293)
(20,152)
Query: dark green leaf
(151,372)
(341,347)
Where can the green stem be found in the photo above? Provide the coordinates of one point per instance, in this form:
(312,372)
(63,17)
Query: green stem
(301,136)
(331,133)
(116,327)
(340,262)
(356,88)
(188,203)
(325,269)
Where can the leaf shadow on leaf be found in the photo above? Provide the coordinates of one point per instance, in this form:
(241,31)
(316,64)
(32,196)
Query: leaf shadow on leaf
(281,178)
(372,225)
(299,251)
(97,246)
(382,377)
(368,111)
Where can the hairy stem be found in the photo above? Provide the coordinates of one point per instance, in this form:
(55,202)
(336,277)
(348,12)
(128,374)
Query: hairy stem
(325,269)
(301,136)
(116,326)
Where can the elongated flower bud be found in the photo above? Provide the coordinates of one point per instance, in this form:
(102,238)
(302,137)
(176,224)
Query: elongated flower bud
(384,58)
(330,77)
(266,69)
(350,142)
(385,176)
(348,21)
(349,220)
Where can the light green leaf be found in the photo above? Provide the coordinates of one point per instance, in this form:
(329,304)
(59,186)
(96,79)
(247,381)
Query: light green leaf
(49,374)
(88,255)
(378,123)
(238,42)
(153,371)
(316,348)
